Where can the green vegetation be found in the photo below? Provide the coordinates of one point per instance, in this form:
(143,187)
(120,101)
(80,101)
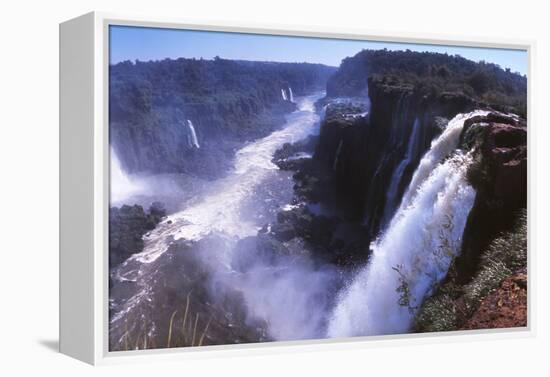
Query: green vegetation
(432,74)
(453,304)
(150,102)
(140,87)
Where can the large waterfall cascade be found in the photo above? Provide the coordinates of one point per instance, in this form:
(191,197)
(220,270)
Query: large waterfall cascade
(415,251)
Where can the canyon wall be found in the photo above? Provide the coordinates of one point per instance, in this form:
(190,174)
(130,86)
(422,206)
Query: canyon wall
(188,115)
(410,98)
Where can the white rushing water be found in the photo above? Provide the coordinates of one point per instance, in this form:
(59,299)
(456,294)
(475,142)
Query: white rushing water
(192,135)
(122,185)
(441,147)
(220,209)
(290,94)
(415,251)
(283,94)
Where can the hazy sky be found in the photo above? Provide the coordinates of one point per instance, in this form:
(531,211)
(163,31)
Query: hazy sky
(140,43)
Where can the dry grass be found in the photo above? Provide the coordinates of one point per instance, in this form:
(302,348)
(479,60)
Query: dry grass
(185,330)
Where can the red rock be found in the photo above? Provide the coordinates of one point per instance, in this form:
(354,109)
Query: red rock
(505,307)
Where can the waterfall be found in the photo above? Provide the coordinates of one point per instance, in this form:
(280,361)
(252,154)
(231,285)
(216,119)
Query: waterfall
(392,194)
(283,94)
(337,155)
(441,147)
(415,251)
(221,211)
(290,294)
(192,135)
(291,96)
(122,186)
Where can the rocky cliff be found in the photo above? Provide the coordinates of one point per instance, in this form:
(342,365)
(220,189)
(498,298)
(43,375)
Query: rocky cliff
(486,286)
(374,154)
(369,153)
(407,99)
(499,176)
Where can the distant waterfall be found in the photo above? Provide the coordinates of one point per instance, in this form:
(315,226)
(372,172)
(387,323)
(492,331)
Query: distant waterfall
(283,94)
(192,135)
(393,191)
(415,252)
(290,94)
(122,186)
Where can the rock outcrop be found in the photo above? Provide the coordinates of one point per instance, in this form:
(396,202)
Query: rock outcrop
(504,307)
(127,225)
(499,175)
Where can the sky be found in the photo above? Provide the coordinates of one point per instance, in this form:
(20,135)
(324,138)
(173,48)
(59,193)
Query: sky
(144,44)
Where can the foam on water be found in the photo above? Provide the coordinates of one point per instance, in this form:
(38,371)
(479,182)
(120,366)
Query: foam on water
(122,185)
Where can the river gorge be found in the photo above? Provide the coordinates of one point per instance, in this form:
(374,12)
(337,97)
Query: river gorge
(352,203)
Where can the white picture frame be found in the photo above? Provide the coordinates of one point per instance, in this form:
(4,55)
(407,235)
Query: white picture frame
(84,188)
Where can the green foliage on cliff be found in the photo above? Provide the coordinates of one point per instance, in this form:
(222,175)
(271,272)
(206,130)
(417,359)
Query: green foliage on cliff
(505,255)
(452,304)
(432,73)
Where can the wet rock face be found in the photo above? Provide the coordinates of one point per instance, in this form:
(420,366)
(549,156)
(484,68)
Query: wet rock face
(507,153)
(341,151)
(499,175)
(343,123)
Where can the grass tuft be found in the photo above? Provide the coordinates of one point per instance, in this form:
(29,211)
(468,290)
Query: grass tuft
(182,331)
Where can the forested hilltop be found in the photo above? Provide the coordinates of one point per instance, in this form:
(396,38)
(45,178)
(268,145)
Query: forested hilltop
(432,74)
(152,103)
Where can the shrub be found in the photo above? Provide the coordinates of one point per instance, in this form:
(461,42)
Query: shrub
(438,314)
(505,255)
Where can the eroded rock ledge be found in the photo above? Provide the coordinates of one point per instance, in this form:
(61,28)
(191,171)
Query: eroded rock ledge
(499,175)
